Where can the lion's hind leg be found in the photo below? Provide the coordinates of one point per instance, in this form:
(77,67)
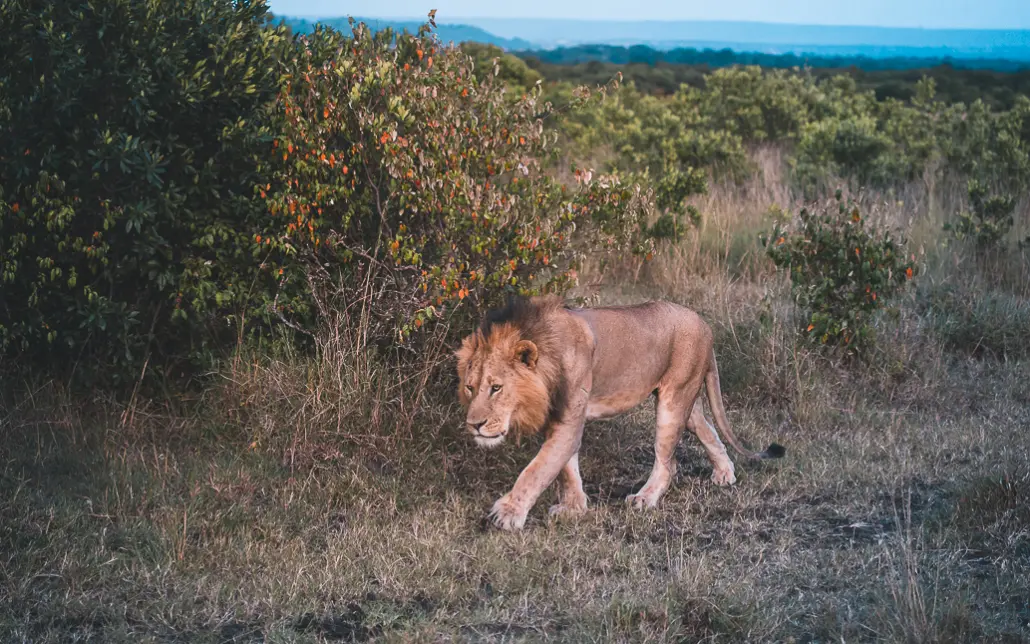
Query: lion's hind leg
(571,497)
(672,416)
(723,474)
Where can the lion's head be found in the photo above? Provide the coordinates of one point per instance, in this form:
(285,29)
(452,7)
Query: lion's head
(507,377)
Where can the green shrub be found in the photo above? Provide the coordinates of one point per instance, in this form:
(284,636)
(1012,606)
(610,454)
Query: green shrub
(988,220)
(841,272)
(852,148)
(992,146)
(656,135)
(755,104)
(870,143)
(672,190)
(917,131)
(406,187)
(129,134)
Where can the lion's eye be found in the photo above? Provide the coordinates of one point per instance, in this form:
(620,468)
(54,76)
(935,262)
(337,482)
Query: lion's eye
(494,389)
(468,388)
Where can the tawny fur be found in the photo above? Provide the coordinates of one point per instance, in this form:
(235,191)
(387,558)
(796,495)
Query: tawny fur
(538,365)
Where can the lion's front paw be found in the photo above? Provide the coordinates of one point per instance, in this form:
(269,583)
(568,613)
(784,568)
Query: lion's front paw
(507,515)
(724,476)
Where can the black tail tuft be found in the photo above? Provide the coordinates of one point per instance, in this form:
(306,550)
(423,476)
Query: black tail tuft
(774,450)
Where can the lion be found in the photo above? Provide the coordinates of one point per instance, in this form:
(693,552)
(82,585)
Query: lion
(537,364)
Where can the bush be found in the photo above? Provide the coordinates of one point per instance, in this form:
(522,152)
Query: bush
(989,219)
(881,144)
(130,133)
(850,147)
(404,187)
(992,145)
(841,272)
(755,104)
(177,175)
(656,135)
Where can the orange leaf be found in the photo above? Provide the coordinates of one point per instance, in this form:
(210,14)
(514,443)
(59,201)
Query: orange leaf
(908,272)
(810,327)
(15,207)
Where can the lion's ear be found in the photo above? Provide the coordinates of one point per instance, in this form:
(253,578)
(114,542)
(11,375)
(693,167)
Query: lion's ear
(526,352)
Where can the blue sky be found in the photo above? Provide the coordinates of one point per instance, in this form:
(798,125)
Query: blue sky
(932,14)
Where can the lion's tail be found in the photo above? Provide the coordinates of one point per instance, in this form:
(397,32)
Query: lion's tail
(719,412)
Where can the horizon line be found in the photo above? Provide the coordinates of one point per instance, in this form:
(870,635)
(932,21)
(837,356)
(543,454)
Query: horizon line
(457,21)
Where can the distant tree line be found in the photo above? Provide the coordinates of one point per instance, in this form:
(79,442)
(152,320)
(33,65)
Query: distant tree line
(996,82)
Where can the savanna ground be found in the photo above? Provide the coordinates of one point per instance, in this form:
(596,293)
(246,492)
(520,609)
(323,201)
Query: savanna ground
(308,501)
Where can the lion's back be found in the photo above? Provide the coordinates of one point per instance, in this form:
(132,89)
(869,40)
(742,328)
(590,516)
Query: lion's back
(635,344)
(657,321)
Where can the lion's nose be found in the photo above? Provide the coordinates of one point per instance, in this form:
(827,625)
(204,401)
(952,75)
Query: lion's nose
(477,426)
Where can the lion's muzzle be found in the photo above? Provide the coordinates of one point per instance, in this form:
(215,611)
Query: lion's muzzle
(485,434)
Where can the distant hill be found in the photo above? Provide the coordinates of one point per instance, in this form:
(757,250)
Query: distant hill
(719,44)
(873,42)
(447,33)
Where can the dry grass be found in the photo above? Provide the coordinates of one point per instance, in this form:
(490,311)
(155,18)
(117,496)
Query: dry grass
(331,500)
